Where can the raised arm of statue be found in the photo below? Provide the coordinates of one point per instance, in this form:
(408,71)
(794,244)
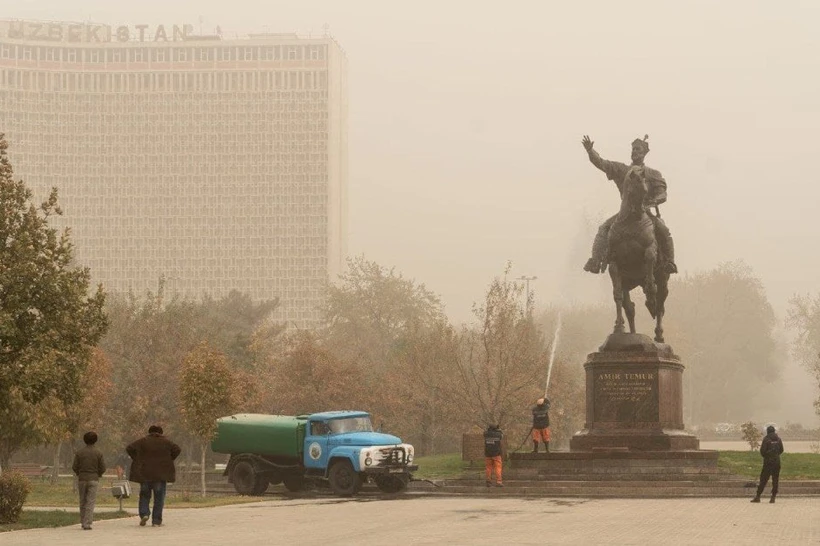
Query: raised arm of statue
(614,170)
(594,158)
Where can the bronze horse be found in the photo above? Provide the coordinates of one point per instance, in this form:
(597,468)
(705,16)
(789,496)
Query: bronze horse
(634,258)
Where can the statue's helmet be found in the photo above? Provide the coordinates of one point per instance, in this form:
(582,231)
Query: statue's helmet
(642,144)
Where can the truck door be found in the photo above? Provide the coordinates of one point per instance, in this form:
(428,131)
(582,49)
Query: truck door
(316,449)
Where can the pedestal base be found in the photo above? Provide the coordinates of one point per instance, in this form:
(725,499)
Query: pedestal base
(634,390)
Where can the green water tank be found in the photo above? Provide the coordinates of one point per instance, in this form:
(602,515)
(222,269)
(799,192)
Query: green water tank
(275,435)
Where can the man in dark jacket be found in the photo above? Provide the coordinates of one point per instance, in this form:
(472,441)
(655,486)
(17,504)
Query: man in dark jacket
(541,424)
(153,467)
(89,466)
(770,449)
(492,454)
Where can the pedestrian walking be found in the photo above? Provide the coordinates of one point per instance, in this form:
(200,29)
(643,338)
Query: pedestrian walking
(492,454)
(770,449)
(153,468)
(541,424)
(88,466)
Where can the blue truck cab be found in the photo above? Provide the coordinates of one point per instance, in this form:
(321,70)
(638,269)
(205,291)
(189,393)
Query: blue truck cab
(342,447)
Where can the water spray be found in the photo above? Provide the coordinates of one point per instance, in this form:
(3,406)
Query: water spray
(552,352)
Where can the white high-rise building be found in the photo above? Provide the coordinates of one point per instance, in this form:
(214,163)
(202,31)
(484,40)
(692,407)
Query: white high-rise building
(218,163)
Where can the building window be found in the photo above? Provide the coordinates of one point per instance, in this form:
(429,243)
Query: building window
(137,55)
(159,55)
(5,51)
(93,56)
(27,54)
(52,54)
(226,54)
(71,55)
(314,52)
(204,54)
(181,55)
(267,53)
(294,53)
(115,55)
(250,53)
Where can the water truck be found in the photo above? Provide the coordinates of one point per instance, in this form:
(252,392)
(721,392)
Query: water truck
(339,447)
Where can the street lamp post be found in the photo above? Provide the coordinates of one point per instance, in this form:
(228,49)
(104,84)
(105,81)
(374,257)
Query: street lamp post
(527,280)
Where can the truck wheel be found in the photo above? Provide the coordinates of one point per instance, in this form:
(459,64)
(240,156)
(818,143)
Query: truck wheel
(344,481)
(294,482)
(260,486)
(391,484)
(244,478)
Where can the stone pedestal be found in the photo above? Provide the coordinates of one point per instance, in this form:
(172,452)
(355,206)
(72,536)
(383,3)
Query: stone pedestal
(634,400)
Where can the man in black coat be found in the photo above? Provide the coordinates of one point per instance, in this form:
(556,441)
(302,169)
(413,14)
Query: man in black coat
(153,468)
(770,448)
(492,454)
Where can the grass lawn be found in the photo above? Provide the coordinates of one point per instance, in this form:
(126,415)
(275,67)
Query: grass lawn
(61,494)
(805,466)
(440,466)
(54,518)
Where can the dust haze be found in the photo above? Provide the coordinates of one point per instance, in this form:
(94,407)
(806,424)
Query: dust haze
(466,120)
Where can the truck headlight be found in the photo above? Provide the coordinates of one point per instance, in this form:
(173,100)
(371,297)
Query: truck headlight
(368,461)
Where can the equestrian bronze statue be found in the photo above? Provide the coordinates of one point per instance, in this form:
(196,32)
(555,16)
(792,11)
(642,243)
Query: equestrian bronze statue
(634,244)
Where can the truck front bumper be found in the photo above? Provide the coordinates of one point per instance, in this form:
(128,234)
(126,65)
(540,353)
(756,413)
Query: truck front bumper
(391,469)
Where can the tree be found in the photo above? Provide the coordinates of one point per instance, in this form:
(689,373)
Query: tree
(722,325)
(371,309)
(306,377)
(70,420)
(151,335)
(751,434)
(48,321)
(499,358)
(415,392)
(206,392)
(803,317)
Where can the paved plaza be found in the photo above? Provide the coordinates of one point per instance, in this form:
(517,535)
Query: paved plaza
(438,520)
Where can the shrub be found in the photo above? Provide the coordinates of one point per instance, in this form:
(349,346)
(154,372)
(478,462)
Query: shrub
(751,433)
(14,488)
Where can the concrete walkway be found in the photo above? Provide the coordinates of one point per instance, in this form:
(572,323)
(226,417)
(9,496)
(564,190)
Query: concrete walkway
(436,520)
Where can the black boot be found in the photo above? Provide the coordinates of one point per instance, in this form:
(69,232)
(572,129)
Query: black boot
(534,446)
(756,499)
(596,263)
(671,267)
(546,447)
(771,500)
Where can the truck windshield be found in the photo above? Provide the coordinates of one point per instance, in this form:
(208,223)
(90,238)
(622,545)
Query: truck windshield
(351,424)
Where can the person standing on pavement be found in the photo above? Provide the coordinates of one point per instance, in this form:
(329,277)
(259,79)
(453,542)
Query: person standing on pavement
(152,467)
(541,424)
(492,454)
(88,466)
(770,449)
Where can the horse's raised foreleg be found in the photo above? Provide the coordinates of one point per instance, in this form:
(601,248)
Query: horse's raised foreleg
(618,295)
(629,307)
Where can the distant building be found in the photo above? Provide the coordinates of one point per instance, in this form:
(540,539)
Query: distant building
(218,163)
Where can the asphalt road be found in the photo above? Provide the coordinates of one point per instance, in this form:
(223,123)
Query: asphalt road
(440,520)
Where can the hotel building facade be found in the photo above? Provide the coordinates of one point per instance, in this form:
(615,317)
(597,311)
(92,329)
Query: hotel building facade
(220,164)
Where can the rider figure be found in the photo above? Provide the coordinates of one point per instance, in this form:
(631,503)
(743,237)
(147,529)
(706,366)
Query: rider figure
(656,186)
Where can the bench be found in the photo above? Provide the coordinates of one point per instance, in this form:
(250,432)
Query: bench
(31,470)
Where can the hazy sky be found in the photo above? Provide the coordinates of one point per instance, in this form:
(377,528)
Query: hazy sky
(466,120)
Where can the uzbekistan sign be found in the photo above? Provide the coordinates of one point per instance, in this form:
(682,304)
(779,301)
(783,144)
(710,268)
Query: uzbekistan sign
(91,33)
